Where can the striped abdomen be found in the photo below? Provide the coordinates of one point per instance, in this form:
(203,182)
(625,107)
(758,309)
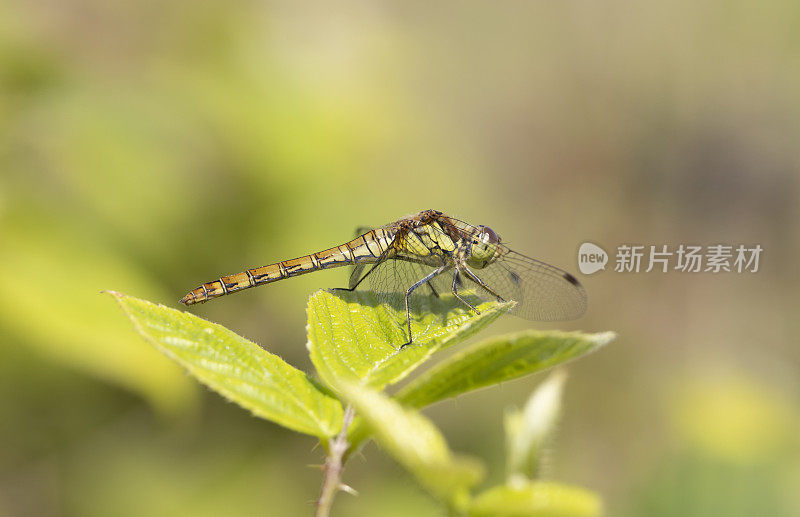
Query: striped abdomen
(365,248)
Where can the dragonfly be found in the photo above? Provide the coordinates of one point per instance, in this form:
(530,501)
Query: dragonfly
(429,253)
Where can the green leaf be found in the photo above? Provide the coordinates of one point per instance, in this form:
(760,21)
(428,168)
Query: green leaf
(528,431)
(353,337)
(415,442)
(537,499)
(496,360)
(490,362)
(236,368)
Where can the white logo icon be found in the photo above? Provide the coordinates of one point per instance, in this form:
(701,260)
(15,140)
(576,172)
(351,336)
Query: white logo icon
(591,258)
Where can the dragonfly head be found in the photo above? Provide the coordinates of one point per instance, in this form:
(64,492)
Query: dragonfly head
(484,248)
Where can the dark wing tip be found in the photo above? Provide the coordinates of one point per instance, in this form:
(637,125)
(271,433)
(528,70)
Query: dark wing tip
(580,309)
(572,280)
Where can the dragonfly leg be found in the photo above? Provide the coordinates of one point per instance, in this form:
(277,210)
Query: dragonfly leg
(433,290)
(455,293)
(408,295)
(378,262)
(353,288)
(472,276)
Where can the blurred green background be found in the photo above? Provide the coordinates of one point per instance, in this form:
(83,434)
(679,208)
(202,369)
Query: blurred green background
(150,146)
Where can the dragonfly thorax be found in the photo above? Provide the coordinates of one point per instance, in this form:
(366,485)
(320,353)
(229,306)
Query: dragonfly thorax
(484,247)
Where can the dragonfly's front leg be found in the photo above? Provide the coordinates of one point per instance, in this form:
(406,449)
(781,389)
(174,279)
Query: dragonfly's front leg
(455,293)
(410,290)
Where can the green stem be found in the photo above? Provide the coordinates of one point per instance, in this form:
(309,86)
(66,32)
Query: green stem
(333,468)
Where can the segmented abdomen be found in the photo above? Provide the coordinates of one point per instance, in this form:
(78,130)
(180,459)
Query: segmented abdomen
(364,248)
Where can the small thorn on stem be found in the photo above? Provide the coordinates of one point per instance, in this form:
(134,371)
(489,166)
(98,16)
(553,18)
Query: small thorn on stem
(346,488)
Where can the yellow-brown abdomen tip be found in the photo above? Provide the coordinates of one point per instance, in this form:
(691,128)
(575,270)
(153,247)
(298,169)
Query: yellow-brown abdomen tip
(188,299)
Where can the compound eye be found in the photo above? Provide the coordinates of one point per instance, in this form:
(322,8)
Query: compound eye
(488,236)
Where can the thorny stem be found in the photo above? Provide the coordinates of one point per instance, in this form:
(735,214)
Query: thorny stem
(333,467)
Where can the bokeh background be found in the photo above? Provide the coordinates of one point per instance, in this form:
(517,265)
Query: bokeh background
(150,146)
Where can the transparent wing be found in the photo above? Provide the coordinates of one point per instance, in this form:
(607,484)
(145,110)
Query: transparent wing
(398,270)
(393,277)
(542,292)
